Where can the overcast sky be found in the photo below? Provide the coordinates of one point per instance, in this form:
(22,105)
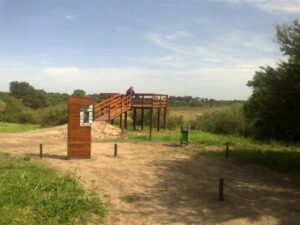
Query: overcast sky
(205,48)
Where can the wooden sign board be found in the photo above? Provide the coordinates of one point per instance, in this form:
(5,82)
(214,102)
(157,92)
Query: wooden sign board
(79,127)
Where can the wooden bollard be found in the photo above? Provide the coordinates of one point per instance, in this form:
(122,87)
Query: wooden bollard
(227,150)
(116,150)
(41,150)
(221,189)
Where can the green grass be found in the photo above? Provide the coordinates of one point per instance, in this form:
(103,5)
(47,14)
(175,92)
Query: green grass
(16,127)
(191,113)
(283,157)
(33,194)
(195,136)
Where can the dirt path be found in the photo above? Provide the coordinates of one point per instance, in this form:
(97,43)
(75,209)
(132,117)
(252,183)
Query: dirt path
(151,184)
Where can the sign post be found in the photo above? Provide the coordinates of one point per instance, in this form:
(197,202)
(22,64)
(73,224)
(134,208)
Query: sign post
(80,117)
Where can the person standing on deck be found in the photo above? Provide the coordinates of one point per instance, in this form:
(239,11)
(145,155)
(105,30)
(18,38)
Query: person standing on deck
(130,92)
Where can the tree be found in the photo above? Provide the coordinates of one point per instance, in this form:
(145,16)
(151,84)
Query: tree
(274,106)
(20,89)
(288,36)
(78,92)
(30,96)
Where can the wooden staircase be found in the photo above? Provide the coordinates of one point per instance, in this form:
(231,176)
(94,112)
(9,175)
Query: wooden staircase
(112,107)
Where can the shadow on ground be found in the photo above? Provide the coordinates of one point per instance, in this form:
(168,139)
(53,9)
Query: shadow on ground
(49,156)
(187,190)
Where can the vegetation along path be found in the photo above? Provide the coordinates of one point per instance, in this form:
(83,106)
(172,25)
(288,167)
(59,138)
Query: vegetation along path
(154,183)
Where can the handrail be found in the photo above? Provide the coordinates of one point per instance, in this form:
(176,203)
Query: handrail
(112,107)
(107,100)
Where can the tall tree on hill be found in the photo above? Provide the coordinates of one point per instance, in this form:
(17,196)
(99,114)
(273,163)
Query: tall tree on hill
(78,92)
(30,96)
(274,107)
(20,89)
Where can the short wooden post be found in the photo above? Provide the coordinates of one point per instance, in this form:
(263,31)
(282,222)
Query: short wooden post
(41,150)
(227,150)
(221,189)
(158,119)
(116,150)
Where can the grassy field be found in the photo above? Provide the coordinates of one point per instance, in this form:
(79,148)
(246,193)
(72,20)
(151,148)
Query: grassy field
(283,157)
(190,113)
(16,127)
(33,194)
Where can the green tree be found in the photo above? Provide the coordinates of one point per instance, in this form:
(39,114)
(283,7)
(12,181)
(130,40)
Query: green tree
(274,107)
(20,89)
(78,92)
(30,96)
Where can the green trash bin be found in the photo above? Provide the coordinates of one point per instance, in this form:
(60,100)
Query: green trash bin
(184,135)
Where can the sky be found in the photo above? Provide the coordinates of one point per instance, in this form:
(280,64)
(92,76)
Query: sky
(203,48)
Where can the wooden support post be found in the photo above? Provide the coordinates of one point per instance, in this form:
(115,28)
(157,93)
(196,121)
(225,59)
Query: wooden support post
(109,116)
(125,120)
(112,122)
(142,119)
(165,118)
(41,150)
(227,150)
(121,122)
(151,123)
(121,116)
(134,119)
(116,150)
(221,189)
(158,119)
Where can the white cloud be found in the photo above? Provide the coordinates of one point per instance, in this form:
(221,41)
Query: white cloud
(274,6)
(69,17)
(227,50)
(43,54)
(219,82)
(178,34)
(57,71)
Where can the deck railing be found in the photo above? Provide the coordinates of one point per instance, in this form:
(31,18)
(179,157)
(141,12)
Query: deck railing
(150,100)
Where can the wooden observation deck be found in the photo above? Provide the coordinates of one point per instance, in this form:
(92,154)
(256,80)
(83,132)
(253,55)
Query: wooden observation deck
(115,105)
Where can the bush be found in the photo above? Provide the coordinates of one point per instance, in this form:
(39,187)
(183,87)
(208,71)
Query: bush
(174,122)
(230,120)
(16,112)
(2,105)
(56,115)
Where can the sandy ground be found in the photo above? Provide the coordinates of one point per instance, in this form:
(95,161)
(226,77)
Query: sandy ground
(167,187)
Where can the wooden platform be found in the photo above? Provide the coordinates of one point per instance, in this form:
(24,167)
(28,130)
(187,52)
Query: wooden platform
(115,105)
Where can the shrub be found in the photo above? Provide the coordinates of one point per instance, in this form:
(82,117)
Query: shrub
(230,120)
(2,105)
(56,115)
(16,112)
(174,122)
